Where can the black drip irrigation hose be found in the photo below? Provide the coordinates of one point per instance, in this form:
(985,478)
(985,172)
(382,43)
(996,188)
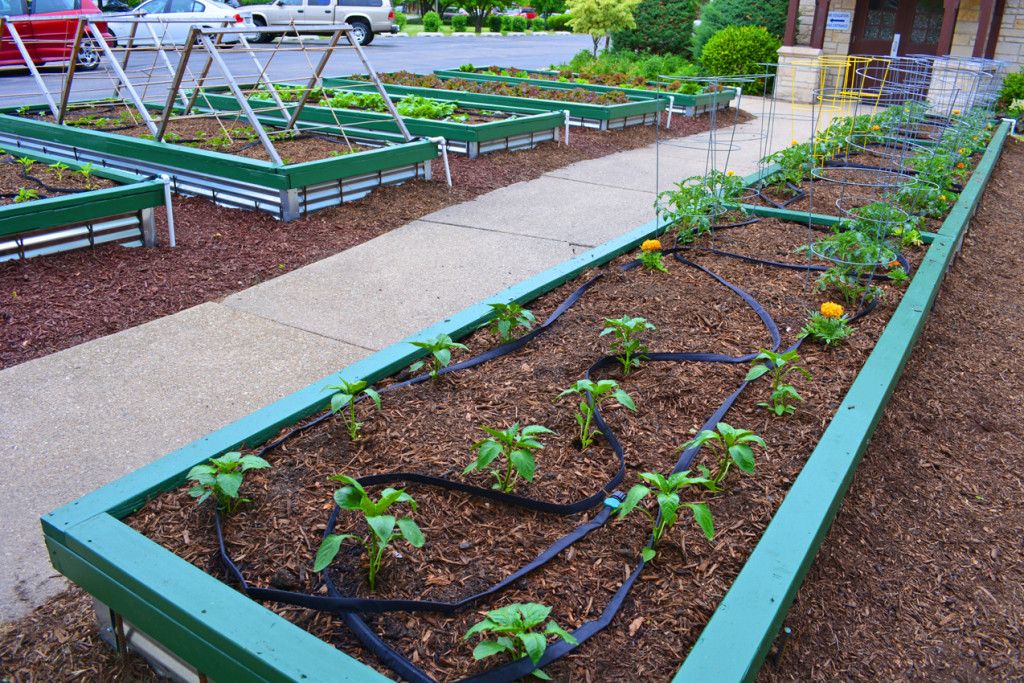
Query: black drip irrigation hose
(26,176)
(350,609)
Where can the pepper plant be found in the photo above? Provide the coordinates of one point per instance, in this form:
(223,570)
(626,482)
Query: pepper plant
(731,445)
(775,365)
(668,505)
(594,393)
(517,447)
(508,317)
(514,625)
(222,479)
(626,345)
(346,395)
(353,496)
(440,348)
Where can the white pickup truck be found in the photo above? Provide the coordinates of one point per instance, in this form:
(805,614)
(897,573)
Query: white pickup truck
(367,17)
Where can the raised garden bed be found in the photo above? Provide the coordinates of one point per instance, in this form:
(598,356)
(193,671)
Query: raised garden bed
(687,104)
(487,130)
(604,111)
(74,206)
(285,190)
(189,611)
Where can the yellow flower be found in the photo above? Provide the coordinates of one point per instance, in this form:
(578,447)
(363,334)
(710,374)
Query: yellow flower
(651,245)
(875,128)
(730,173)
(956,111)
(831,310)
(795,143)
(942,197)
(963,150)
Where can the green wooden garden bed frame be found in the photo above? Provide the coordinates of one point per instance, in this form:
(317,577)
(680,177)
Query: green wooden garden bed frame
(230,638)
(287,191)
(116,214)
(680,103)
(527,129)
(601,116)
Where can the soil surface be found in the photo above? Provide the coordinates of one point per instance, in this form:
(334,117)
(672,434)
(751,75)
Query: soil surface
(65,299)
(43,181)
(919,579)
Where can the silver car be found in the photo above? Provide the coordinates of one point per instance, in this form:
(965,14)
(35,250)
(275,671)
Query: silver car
(367,17)
(170,21)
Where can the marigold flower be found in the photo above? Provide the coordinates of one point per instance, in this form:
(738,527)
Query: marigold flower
(956,111)
(960,165)
(963,150)
(831,310)
(651,245)
(730,173)
(893,264)
(942,197)
(875,128)
(795,143)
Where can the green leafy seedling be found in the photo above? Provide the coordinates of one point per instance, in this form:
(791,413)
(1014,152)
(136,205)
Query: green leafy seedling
(508,317)
(776,365)
(594,393)
(26,163)
(514,627)
(731,446)
(626,345)
(440,348)
(222,479)
(59,169)
(25,195)
(668,505)
(346,396)
(383,530)
(518,449)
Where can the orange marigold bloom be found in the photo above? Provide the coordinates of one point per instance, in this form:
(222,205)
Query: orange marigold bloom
(831,310)
(651,245)
(893,264)
(875,128)
(960,165)
(795,143)
(956,111)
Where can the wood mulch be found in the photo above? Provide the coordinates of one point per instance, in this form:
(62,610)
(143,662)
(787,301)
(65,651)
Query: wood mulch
(53,303)
(43,180)
(919,579)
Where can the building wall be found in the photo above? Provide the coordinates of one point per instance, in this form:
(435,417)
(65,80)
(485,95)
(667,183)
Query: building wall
(838,42)
(1011,33)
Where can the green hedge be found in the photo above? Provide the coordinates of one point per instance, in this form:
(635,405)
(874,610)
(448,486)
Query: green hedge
(559,22)
(740,50)
(720,14)
(662,27)
(432,22)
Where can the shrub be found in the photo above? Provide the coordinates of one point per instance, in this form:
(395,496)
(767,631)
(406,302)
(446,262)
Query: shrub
(459,22)
(538,24)
(720,14)
(740,50)
(1012,89)
(662,27)
(506,23)
(432,22)
(494,23)
(402,20)
(415,21)
(519,24)
(559,22)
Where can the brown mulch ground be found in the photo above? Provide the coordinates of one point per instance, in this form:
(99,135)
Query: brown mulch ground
(920,577)
(54,303)
(45,181)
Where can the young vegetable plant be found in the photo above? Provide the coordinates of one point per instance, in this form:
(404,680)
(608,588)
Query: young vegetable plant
(222,478)
(25,195)
(593,395)
(517,447)
(353,496)
(26,163)
(732,446)
(59,169)
(775,364)
(508,317)
(440,348)
(85,172)
(668,505)
(346,396)
(628,347)
(513,625)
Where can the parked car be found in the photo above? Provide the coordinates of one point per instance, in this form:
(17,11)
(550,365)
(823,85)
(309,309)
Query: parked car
(173,19)
(367,17)
(49,40)
(528,12)
(452,11)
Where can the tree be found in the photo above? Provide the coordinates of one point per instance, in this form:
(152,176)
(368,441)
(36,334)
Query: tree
(600,17)
(719,14)
(662,27)
(545,8)
(479,9)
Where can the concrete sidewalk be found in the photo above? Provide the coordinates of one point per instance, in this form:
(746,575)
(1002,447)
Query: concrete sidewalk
(78,419)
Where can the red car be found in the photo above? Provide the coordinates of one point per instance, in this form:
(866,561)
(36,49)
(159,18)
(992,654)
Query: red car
(46,39)
(528,12)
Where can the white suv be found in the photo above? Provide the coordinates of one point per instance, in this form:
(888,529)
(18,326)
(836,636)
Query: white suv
(367,17)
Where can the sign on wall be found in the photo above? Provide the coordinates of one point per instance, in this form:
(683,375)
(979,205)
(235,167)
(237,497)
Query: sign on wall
(839,21)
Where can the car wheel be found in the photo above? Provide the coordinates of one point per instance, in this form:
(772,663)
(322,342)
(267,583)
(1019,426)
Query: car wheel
(262,37)
(88,55)
(361,32)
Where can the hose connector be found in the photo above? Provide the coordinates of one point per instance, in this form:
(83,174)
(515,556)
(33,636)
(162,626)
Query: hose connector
(614,501)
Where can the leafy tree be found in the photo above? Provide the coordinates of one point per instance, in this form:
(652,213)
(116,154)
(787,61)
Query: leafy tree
(600,17)
(479,10)
(662,27)
(545,8)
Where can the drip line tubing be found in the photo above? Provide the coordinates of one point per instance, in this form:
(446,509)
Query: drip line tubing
(349,609)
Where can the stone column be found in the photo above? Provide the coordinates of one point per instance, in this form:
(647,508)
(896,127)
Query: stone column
(798,74)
